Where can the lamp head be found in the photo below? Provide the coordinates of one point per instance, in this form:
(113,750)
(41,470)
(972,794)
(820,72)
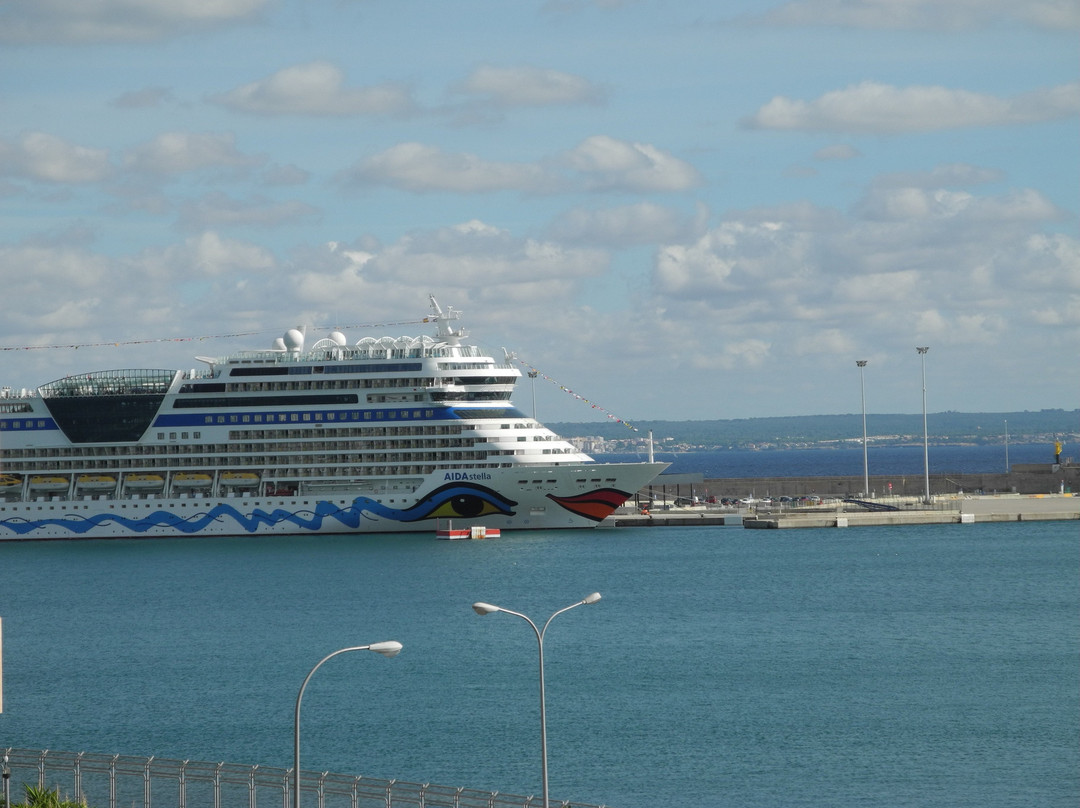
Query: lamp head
(390,648)
(595,596)
(485,608)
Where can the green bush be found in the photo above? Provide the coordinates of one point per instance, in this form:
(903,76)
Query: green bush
(46,798)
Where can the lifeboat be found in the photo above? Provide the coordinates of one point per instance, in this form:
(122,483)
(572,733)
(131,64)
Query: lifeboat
(9,481)
(95,482)
(240,479)
(186,479)
(45,482)
(144,482)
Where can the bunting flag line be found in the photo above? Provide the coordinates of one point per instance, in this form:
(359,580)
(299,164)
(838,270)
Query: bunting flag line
(199,338)
(533,373)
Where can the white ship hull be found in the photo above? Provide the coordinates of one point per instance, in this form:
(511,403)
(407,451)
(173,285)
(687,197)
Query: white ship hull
(552,497)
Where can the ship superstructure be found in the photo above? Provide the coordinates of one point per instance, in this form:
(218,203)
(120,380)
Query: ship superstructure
(388,434)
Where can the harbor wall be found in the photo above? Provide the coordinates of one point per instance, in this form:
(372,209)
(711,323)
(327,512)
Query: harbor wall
(1031,478)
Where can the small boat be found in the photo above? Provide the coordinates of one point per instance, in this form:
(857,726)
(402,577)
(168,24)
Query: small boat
(9,482)
(43,482)
(187,479)
(95,482)
(452,533)
(144,482)
(240,479)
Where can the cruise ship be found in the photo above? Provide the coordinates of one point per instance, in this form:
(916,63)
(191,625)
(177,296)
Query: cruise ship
(391,434)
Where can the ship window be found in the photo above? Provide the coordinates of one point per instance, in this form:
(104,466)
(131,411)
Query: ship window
(161,436)
(172,436)
(198,435)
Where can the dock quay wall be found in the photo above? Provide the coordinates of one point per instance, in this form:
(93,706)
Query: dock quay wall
(1050,478)
(911,510)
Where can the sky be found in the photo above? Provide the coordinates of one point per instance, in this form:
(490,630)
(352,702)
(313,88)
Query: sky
(671,211)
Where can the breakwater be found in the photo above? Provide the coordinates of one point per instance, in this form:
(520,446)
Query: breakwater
(1028,478)
(944,510)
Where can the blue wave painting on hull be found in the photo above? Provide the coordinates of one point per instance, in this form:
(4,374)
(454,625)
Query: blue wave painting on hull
(454,500)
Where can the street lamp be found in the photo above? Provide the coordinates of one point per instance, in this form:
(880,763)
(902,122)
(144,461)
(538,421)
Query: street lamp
(925,435)
(390,648)
(1006,445)
(861,363)
(487,608)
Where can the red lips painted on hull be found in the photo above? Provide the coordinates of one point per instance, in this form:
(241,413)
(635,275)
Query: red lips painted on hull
(595,505)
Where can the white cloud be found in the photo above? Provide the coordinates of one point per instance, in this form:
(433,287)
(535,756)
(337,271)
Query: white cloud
(838,151)
(417,167)
(945,266)
(948,15)
(216,210)
(45,157)
(315,88)
(144,98)
(530,87)
(181,152)
(874,108)
(88,21)
(949,175)
(604,164)
(611,164)
(204,255)
(908,203)
(641,223)
(472,260)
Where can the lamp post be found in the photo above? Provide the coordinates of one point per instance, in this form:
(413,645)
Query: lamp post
(1006,445)
(487,608)
(925,434)
(390,648)
(861,363)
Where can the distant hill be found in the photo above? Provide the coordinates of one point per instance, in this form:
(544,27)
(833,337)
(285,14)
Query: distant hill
(972,427)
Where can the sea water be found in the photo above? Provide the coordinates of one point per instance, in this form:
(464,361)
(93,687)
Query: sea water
(899,666)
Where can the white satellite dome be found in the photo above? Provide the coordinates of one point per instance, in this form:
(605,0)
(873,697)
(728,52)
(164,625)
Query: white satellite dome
(294,340)
(279,344)
(338,338)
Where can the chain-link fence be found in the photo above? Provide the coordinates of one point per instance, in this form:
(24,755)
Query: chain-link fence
(123,781)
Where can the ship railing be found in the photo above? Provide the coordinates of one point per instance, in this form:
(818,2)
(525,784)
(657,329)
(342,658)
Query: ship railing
(112,781)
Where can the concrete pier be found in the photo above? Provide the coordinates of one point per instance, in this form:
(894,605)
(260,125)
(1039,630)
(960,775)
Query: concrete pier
(1029,478)
(911,511)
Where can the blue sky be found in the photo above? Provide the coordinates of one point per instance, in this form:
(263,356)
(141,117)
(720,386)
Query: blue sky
(676,210)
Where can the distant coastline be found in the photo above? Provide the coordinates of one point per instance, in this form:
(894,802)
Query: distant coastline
(829,431)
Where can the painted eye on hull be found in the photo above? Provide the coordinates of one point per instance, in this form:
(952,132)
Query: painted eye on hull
(462,501)
(466,506)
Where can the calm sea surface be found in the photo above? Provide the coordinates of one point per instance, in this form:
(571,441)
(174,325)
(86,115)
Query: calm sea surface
(933,665)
